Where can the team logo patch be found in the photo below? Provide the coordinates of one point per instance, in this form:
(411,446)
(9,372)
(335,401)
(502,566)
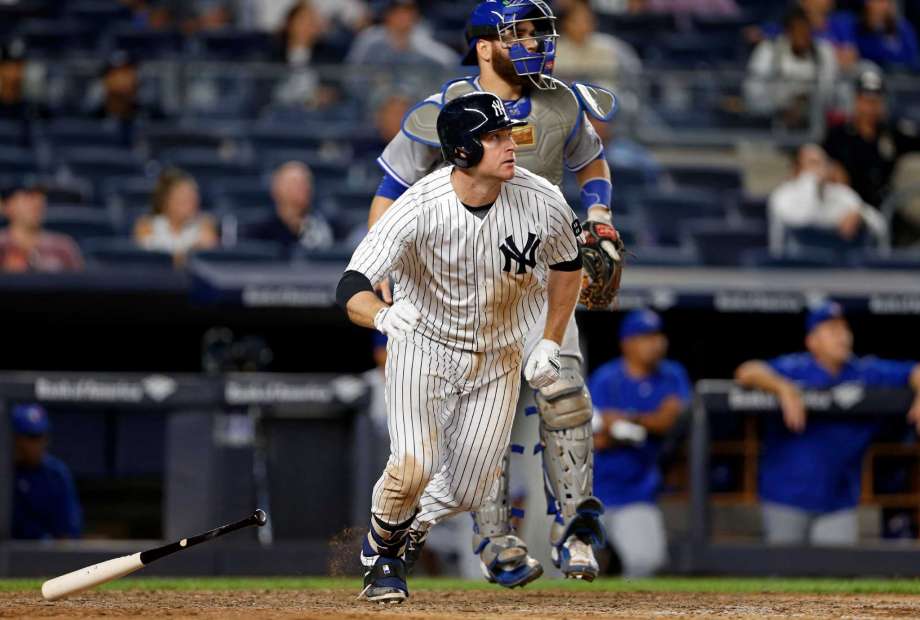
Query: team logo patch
(525,136)
(524,258)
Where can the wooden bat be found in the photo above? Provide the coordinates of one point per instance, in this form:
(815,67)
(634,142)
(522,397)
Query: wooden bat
(91,576)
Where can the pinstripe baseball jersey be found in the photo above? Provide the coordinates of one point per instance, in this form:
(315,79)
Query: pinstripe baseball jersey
(479,283)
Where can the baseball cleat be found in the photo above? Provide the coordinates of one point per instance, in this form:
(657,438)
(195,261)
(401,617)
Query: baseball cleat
(509,564)
(575,558)
(415,542)
(385,582)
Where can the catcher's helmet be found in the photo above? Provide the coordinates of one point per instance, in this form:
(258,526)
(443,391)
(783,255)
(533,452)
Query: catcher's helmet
(500,19)
(463,121)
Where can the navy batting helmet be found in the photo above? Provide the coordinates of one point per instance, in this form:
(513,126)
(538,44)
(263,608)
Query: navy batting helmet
(463,121)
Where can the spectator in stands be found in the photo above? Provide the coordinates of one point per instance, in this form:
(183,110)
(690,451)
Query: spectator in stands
(785,74)
(176,225)
(269,15)
(810,469)
(882,36)
(812,199)
(400,40)
(301,32)
(45,503)
(868,147)
(24,245)
(637,398)
(295,224)
(116,96)
(585,54)
(388,107)
(14,102)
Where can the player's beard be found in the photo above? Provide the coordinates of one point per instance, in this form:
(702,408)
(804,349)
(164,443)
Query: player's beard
(504,68)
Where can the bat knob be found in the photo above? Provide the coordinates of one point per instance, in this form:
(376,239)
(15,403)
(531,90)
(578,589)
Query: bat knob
(260,517)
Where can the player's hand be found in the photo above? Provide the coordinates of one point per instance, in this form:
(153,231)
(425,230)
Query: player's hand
(383,287)
(914,414)
(542,367)
(397,321)
(793,407)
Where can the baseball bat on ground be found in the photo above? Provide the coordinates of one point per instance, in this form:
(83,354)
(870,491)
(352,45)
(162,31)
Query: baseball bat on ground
(100,573)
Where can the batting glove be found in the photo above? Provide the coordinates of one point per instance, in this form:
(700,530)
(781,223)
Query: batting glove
(397,321)
(542,367)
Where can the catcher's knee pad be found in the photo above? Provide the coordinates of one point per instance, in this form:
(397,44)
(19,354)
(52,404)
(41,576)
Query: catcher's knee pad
(566,403)
(568,454)
(492,518)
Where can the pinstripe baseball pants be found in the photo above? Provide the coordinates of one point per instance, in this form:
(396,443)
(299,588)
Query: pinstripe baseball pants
(449,414)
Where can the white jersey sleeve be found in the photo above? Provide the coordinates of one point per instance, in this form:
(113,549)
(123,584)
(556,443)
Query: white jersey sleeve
(388,241)
(562,240)
(583,146)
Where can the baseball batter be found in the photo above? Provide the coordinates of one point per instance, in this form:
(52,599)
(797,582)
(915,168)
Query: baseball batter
(477,250)
(513,44)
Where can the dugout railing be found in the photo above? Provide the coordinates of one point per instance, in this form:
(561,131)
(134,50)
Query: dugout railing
(703,553)
(291,443)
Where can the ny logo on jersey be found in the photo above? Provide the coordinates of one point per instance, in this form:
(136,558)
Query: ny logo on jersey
(525,258)
(498,108)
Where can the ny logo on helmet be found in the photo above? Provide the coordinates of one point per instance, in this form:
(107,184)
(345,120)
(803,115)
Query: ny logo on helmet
(524,258)
(498,108)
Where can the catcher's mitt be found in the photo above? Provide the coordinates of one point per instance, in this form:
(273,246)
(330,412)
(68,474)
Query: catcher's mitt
(603,255)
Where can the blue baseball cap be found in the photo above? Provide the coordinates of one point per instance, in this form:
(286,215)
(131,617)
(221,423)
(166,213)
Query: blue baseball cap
(640,322)
(826,311)
(31,420)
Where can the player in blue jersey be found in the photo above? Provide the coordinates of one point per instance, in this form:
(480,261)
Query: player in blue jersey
(638,397)
(810,469)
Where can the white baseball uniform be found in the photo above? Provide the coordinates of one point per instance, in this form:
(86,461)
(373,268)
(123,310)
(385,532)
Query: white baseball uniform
(479,282)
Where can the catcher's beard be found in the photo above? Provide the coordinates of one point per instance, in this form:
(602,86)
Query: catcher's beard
(504,68)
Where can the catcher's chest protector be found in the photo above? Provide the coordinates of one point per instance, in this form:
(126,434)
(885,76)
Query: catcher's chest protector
(541,143)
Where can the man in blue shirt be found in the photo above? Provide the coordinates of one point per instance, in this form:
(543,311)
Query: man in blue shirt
(810,470)
(45,503)
(637,398)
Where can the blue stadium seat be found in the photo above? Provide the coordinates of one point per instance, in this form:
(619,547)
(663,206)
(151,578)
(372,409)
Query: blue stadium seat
(63,133)
(339,254)
(804,259)
(229,45)
(814,238)
(80,222)
(706,177)
(148,44)
(657,256)
(97,164)
(720,245)
(99,14)
(665,213)
(168,136)
(18,161)
(14,133)
(130,192)
(901,260)
(124,254)
(245,252)
(56,38)
(209,168)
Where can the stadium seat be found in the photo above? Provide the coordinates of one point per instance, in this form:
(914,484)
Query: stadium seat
(657,256)
(245,252)
(56,38)
(80,222)
(234,45)
(101,15)
(761,258)
(665,213)
(720,245)
(98,164)
(162,137)
(62,133)
(901,260)
(813,238)
(18,161)
(148,44)
(123,253)
(339,255)
(706,177)
(14,133)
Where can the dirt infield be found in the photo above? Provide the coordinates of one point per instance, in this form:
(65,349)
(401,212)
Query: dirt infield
(444,605)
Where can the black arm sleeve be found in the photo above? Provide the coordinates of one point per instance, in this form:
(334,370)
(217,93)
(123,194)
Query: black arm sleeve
(351,283)
(572,265)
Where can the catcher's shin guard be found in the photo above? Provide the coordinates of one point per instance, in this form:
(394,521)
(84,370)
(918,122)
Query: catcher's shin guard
(568,456)
(504,556)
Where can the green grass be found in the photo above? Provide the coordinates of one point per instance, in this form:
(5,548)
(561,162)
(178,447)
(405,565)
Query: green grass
(663,584)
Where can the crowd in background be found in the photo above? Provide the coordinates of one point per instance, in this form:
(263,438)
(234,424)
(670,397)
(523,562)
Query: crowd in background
(811,64)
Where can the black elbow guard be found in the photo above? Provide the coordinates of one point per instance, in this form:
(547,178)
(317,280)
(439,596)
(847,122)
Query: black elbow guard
(351,283)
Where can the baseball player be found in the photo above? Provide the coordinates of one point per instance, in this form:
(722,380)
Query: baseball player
(513,44)
(477,250)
